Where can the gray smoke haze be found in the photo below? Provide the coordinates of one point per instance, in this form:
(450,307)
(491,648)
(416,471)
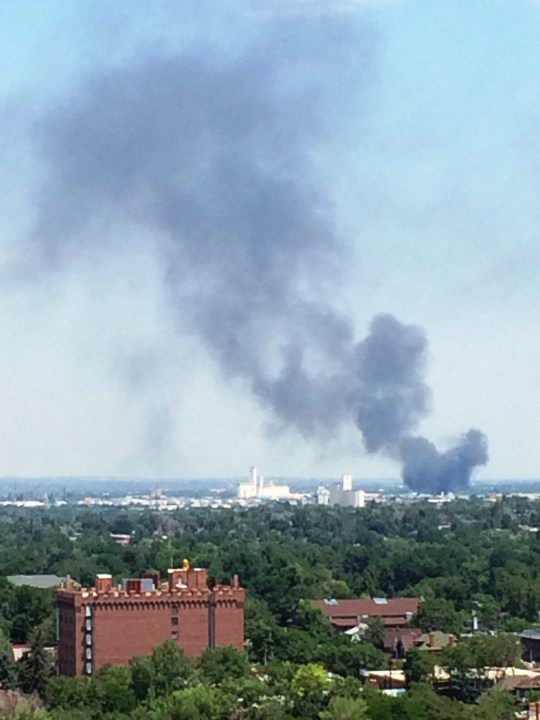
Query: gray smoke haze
(211,158)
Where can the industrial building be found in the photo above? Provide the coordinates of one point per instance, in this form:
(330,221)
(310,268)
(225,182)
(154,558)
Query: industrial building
(257,488)
(341,493)
(110,625)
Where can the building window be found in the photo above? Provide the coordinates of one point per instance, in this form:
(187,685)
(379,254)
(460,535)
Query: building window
(174,635)
(174,621)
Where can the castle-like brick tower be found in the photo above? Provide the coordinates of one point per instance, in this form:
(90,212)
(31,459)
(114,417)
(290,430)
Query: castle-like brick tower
(110,625)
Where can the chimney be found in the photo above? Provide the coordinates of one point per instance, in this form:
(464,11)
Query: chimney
(174,579)
(200,578)
(235,582)
(431,640)
(103,583)
(134,586)
(451,640)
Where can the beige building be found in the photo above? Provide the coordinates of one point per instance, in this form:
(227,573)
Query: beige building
(341,493)
(257,488)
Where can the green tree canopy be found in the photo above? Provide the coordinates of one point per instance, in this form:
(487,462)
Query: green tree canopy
(223,663)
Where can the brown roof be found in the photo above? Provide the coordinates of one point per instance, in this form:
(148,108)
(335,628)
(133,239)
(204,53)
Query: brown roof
(393,624)
(344,622)
(511,683)
(408,637)
(354,610)
(395,621)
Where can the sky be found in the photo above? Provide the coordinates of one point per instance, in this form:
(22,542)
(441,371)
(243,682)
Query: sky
(413,126)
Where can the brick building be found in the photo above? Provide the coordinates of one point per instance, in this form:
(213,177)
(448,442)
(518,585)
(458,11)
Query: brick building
(110,625)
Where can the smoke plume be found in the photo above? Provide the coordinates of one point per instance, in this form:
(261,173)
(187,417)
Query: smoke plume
(424,467)
(392,395)
(211,158)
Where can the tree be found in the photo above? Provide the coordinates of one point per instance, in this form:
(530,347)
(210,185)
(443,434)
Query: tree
(194,703)
(114,690)
(312,619)
(296,646)
(310,680)
(35,669)
(68,692)
(31,607)
(501,650)
(422,703)
(465,671)
(171,667)
(418,666)
(8,671)
(61,714)
(343,657)
(374,635)
(309,688)
(487,611)
(495,705)
(143,677)
(48,629)
(245,691)
(345,708)
(223,662)
(261,630)
(439,614)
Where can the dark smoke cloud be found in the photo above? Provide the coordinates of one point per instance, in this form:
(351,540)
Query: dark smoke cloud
(392,396)
(424,467)
(391,400)
(211,157)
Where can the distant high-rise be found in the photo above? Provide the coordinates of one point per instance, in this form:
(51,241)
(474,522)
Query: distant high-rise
(110,625)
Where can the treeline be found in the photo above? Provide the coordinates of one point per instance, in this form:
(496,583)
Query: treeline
(460,557)
(224,685)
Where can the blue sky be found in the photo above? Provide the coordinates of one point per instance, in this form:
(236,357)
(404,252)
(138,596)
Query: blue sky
(433,166)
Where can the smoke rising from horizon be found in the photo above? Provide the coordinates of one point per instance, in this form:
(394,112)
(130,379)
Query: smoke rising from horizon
(394,398)
(424,467)
(212,159)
